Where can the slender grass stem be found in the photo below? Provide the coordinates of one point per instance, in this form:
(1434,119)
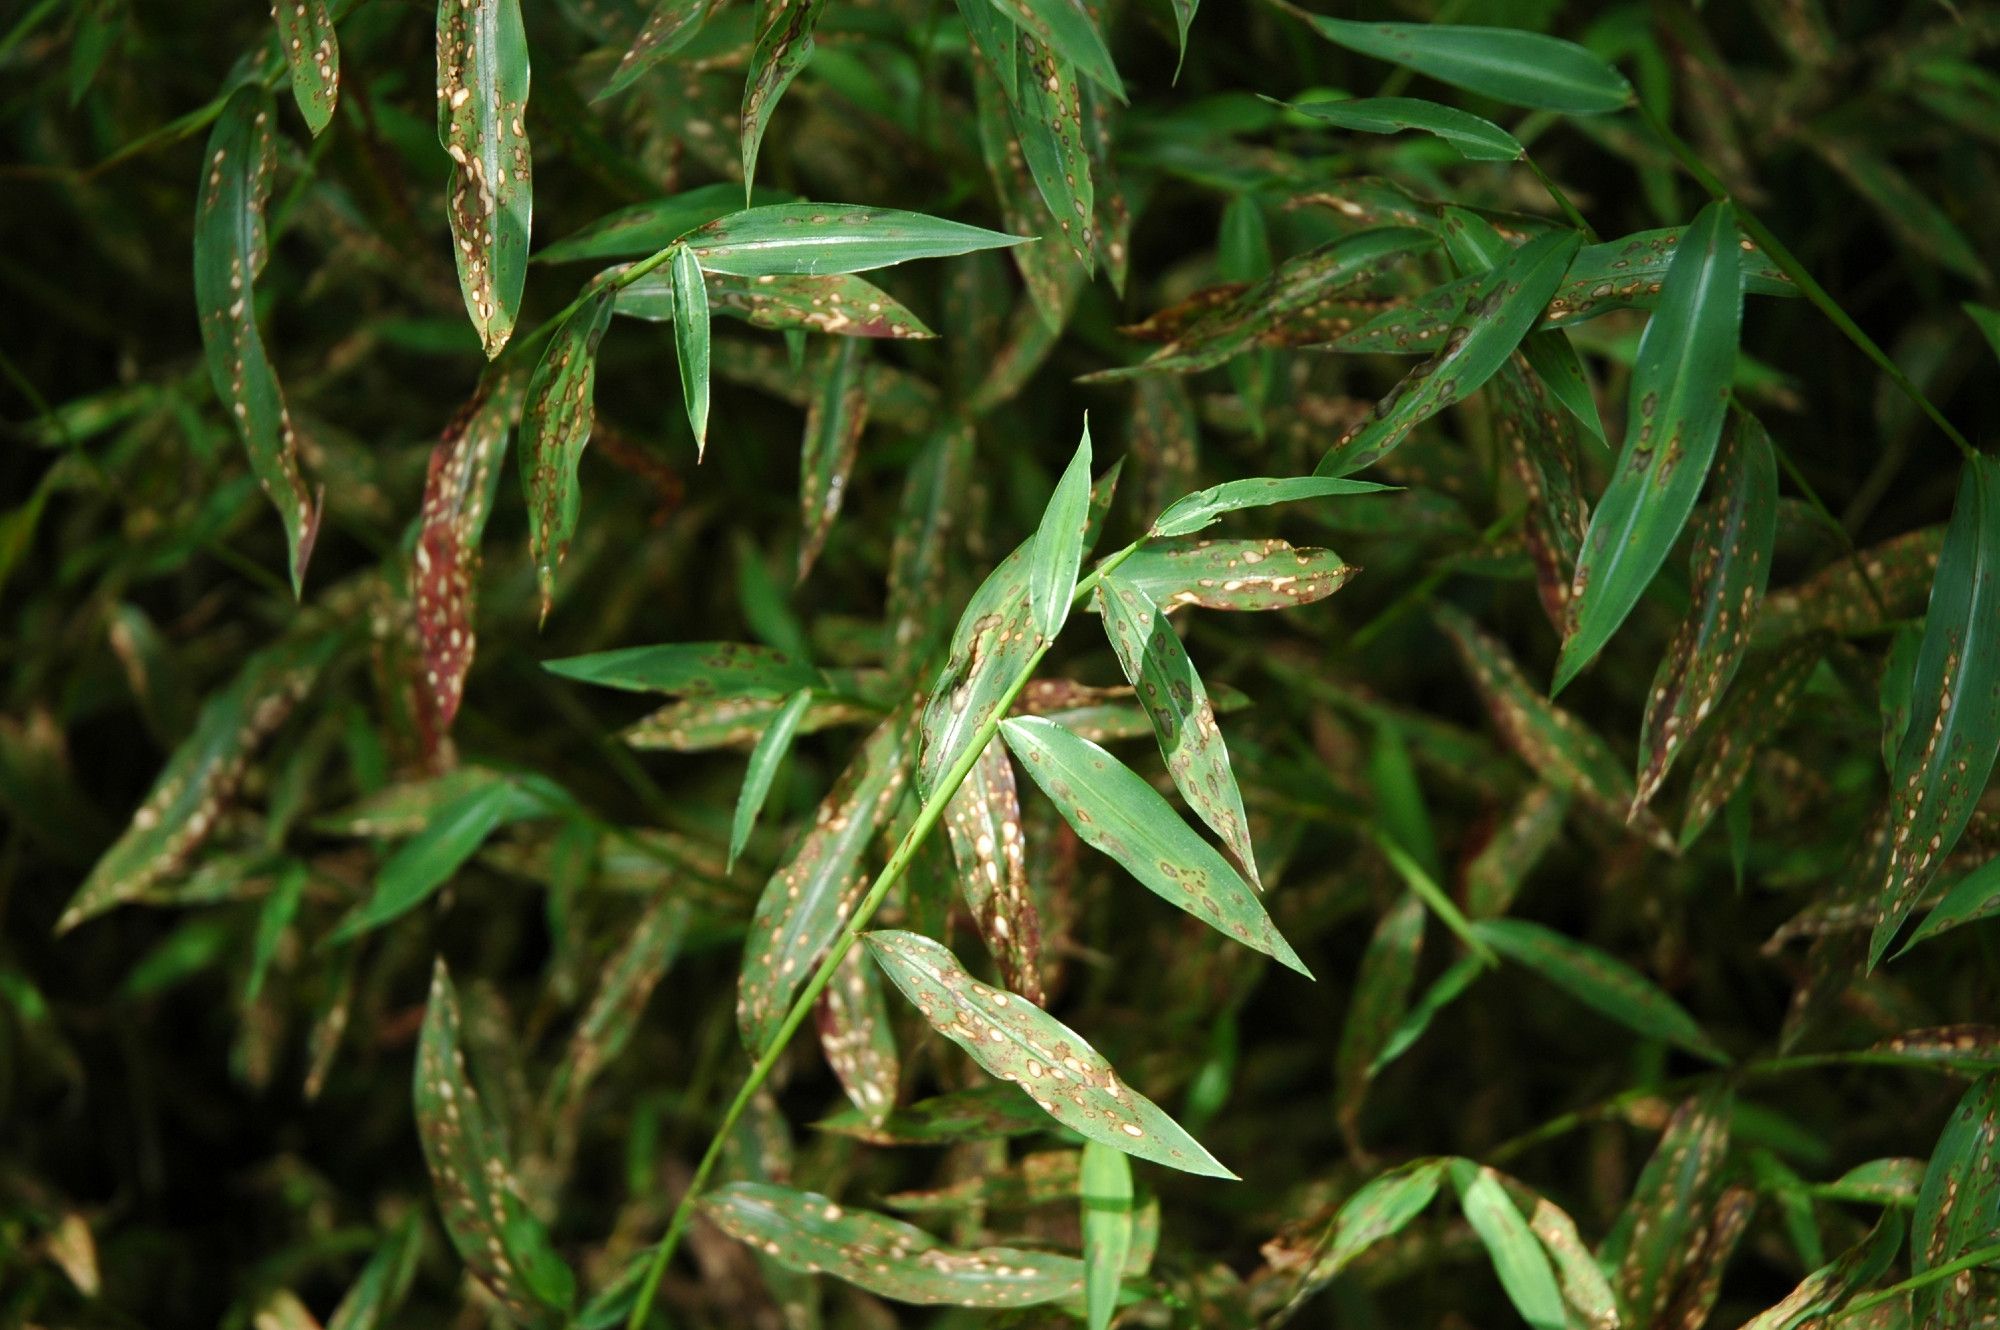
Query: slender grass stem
(892,873)
(1971,1260)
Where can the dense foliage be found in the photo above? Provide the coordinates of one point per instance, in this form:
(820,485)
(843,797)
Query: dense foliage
(571,722)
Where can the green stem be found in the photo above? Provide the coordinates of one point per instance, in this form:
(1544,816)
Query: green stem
(1569,209)
(1792,268)
(892,873)
(1431,894)
(1977,1257)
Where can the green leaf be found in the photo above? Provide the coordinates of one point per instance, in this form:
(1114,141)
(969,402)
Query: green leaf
(607,1025)
(1153,659)
(1988,320)
(1885,1182)
(1050,1063)
(372,1300)
(1958,1207)
(1665,1233)
(805,1231)
(824,238)
(555,427)
(1114,811)
(993,643)
(1899,675)
(1382,1208)
(1202,508)
(312,50)
(985,1112)
(1381,997)
(765,759)
(1474,138)
(497,1237)
(1502,309)
(1731,564)
(433,856)
(1954,729)
(1444,990)
(1057,547)
(1680,394)
(809,898)
(646,228)
(482,99)
(671,25)
(1824,1290)
(691,343)
(919,558)
(784,46)
(1972,897)
(274,919)
(229,253)
(692,669)
(1511,1245)
(1106,1195)
(983,823)
(1066,27)
(1599,981)
(1506,64)
(1497,873)
(202,776)
(1233,574)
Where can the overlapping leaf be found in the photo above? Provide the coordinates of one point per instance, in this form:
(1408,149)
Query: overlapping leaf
(1730,566)
(807,900)
(482,99)
(983,822)
(229,253)
(1954,728)
(1052,1064)
(1114,811)
(1679,396)
(1755,709)
(805,1231)
(854,1033)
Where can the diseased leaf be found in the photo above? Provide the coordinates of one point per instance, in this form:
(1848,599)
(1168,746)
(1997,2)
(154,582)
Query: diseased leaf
(983,822)
(1106,1193)
(701,724)
(1114,811)
(784,45)
(628,979)
(805,1231)
(855,1035)
(1584,1286)
(458,497)
(693,669)
(1755,709)
(670,26)
(1153,659)
(1889,1182)
(691,343)
(1730,567)
(918,559)
(1381,1208)
(1680,394)
(1560,749)
(1972,1049)
(1066,27)
(829,238)
(1826,1288)
(1540,442)
(1954,728)
(994,641)
(497,1237)
(1658,1239)
(1838,598)
(983,1113)
(1518,1258)
(1044,264)
(1474,138)
(1496,874)
(1506,64)
(837,415)
(1499,313)
(1017,1041)
(202,776)
(229,253)
(765,759)
(809,898)
(1600,981)
(312,50)
(555,427)
(1233,574)
(1958,1207)
(1202,508)
(1041,1178)
(1296,305)
(482,97)
(1057,547)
